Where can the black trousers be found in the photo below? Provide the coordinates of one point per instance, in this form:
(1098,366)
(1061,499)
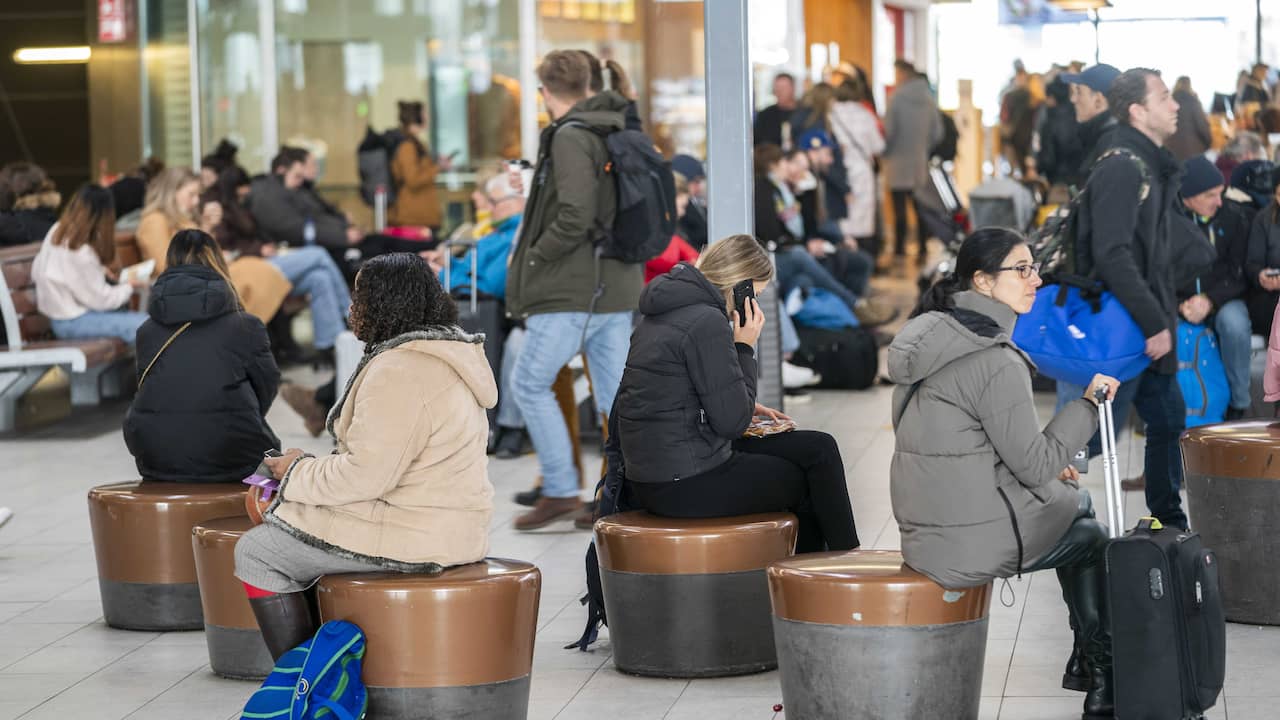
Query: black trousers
(800,472)
(900,198)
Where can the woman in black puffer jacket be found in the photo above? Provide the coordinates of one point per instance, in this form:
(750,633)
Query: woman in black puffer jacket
(200,412)
(688,394)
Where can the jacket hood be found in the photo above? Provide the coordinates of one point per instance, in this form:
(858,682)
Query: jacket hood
(683,286)
(48,200)
(934,340)
(604,111)
(190,293)
(462,351)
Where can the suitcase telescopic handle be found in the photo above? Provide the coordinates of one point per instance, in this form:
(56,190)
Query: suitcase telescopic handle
(1110,467)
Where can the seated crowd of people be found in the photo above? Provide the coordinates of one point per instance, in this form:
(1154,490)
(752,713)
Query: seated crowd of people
(979,489)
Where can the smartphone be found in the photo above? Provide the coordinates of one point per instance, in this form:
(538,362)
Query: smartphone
(273,453)
(742,291)
(1272,273)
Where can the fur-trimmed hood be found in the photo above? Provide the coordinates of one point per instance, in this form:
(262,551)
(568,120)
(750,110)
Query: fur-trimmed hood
(463,351)
(50,199)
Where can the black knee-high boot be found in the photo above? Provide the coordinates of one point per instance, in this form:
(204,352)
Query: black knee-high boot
(286,620)
(1084,586)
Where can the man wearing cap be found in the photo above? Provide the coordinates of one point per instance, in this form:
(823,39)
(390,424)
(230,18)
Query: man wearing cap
(1217,293)
(693,224)
(1097,126)
(912,127)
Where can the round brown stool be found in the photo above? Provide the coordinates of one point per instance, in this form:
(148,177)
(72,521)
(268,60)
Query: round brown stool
(236,648)
(456,645)
(1233,499)
(142,540)
(688,597)
(861,635)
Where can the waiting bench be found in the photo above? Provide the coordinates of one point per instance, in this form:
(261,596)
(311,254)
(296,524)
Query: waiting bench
(99,367)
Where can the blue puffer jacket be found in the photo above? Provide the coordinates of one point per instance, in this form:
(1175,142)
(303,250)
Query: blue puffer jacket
(491,261)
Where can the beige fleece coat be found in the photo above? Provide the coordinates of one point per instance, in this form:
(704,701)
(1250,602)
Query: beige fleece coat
(408,485)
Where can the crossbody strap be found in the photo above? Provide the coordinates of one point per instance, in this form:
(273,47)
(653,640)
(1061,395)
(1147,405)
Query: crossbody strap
(163,347)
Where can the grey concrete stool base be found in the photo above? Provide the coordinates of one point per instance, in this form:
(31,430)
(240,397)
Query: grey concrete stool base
(687,597)
(152,607)
(1233,501)
(236,648)
(666,632)
(507,700)
(142,542)
(457,645)
(237,653)
(856,673)
(862,636)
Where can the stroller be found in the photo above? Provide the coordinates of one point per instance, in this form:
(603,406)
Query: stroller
(944,217)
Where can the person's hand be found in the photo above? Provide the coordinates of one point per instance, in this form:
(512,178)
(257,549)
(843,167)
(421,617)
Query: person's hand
(138,283)
(1270,283)
(769,413)
(1070,476)
(817,247)
(354,236)
(1111,384)
(280,465)
(434,259)
(445,162)
(269,250)
(1159,345)
(748,334)
(1195,309)
(851,243)
(515,178)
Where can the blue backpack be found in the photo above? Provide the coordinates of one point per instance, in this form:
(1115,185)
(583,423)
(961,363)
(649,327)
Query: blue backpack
(1201,375)
(824,309)
(318,680)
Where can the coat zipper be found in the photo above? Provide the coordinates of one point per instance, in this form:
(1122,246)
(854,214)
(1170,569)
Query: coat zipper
(1013,518)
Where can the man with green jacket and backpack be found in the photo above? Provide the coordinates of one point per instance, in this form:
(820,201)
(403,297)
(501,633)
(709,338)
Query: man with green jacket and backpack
(569,297)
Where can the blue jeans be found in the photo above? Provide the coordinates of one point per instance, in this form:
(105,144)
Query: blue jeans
(798,269)
(313,272)
(787,328)
(1234,330)
(508,411)
(851,268)
(551,341)
(1158,400)
(121,324)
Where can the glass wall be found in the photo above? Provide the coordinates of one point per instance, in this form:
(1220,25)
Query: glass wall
(231,79)
(167,123)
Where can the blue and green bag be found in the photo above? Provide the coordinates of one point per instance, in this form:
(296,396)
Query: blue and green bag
(318,680)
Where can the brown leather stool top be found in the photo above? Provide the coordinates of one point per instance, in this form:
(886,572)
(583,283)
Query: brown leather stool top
(868,588)
(142,530)
(223,597)
(1248,450)
(637,542)
(470,625)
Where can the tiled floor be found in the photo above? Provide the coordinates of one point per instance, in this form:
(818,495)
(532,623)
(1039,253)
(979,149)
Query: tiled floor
(58,660)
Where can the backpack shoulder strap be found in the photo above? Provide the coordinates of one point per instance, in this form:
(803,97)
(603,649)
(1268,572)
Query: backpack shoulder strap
(1145,190)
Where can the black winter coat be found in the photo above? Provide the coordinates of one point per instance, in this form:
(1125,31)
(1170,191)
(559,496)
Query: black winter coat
(1264,253)
(1129,237)
(688,391)
(200,416)
(23,227)
(1223,279)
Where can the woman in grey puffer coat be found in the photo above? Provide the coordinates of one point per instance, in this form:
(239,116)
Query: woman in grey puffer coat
(979,491)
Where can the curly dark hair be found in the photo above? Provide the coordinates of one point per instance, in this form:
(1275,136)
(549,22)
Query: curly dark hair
(396,294)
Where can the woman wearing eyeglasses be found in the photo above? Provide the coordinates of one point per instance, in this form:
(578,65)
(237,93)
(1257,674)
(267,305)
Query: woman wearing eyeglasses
(979,490)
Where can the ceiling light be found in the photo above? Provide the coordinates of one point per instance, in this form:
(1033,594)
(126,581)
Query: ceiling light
(52,55)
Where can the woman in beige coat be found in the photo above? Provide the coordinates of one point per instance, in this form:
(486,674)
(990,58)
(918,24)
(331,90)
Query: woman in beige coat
(407,488)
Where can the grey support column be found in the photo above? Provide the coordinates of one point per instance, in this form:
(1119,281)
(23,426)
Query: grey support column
(730,205)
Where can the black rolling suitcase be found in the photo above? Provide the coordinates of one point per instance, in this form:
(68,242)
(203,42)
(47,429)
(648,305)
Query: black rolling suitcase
(478,314)
(1168,630)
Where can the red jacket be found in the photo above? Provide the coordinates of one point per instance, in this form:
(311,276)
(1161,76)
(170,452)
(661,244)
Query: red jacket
(677,252)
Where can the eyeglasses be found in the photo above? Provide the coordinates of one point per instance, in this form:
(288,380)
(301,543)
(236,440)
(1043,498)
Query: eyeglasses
(1024,271)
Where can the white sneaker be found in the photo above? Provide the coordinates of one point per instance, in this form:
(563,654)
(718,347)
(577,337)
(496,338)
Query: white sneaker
(794,376)
(5,515)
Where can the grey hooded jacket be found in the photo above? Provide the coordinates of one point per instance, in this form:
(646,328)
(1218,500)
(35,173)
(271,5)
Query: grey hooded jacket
(970,463)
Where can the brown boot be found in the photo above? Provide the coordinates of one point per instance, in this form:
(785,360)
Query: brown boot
(548,510)
(1132,484)
(303,401)
(586,518)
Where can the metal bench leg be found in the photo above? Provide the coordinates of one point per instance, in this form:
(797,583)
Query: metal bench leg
(13,385)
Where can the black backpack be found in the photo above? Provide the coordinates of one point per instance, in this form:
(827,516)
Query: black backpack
(609,500)
(946,148)
(846,359)
(373,158)
(646,216)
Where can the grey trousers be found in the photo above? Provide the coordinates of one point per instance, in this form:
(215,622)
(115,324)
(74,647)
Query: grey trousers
(269,558)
